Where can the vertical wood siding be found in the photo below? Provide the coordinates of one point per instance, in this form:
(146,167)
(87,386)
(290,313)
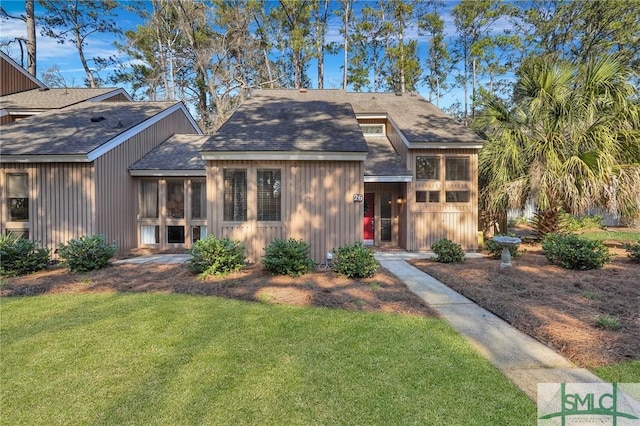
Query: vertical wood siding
(317,205)
(120,97)
(13,81)
(428,222)
(116,192)
(61,201)
(398,144)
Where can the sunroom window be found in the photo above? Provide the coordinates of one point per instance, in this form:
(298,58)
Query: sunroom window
(427,168)
(235,195)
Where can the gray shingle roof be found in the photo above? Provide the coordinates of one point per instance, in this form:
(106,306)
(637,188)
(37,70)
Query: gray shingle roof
(70,131)
(50,98)
(382,159)
(417,119)
(179,152)
(285,120)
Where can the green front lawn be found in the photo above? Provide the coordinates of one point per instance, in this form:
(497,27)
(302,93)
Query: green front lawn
(175,359)
(625,372)
(623,236)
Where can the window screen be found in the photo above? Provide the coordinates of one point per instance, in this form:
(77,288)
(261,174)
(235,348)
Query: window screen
(457,168)
(269,195)
(427,168)
(235,195)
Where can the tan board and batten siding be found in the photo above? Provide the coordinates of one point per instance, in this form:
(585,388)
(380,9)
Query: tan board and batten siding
(61,200)
(116,190)
(69,200)
(458,222)
(317,205)
(13,80)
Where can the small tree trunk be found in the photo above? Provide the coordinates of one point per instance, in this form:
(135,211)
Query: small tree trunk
(547,221)
(31,37)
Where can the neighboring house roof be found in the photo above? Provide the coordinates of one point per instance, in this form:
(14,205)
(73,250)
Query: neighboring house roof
(46,99)
(281,124)
(81,132)
(177,156)
(383,164)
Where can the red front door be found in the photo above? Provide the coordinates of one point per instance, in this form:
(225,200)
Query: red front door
(368,215)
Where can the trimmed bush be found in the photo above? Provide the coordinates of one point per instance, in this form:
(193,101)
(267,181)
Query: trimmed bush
(447,251)
(19,256)
(288,257)
(633,251)
(571,223)
(216,256)
(573,252)
(495,249)
(355,261)
(86,253)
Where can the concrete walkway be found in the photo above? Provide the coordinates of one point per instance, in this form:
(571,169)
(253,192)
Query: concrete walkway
(524,360)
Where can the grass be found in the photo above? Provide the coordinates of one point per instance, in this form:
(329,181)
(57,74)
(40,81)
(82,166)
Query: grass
(611,235)
(625,372)
(176,359)
(607,322)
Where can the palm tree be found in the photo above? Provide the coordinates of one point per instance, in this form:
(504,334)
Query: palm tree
(571,140)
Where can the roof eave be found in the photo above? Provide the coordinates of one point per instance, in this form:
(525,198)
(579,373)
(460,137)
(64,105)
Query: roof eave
(283,155)
(45,158)
(160,173)
(387,179)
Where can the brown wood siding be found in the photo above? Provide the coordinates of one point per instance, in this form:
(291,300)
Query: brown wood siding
(372,121)
(116,191)
(317,205)
(13,81)
(6,119)
(428,222)
(61,201)
(398,144)
(120,97)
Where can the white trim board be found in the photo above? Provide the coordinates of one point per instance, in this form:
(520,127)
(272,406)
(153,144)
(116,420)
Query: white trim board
(283,155)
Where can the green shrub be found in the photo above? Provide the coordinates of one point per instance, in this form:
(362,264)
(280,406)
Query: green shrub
(633,251)
(447,251)
(495,249)
(19,256)
(355,261)
(288,257)
(86,253)
(216,256)
(571,223)
(573,252)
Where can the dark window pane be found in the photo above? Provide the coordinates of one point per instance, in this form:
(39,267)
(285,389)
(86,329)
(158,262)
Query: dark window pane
(457,196)
(198,200)
(427,168)
(22,233)
(456,168)
(433,197)
(175,234)
(18,197)
(421,196)
(175,199)
(269,195)
(235,195)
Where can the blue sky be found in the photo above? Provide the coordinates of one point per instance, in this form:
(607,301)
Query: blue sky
(50,53)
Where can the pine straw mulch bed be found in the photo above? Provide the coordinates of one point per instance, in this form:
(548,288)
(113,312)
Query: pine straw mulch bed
(554,305)
(381,293)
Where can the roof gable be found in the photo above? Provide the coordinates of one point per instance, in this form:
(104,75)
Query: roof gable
(14,77)
(276,121)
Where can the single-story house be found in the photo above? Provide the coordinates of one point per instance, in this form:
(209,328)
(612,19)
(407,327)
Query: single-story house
(326,166)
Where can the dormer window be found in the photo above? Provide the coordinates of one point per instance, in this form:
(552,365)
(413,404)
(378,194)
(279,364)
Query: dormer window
(372,129)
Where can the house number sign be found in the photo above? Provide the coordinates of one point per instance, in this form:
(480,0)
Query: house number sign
(358,198)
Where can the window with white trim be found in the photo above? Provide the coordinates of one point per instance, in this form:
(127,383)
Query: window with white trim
(372,129)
